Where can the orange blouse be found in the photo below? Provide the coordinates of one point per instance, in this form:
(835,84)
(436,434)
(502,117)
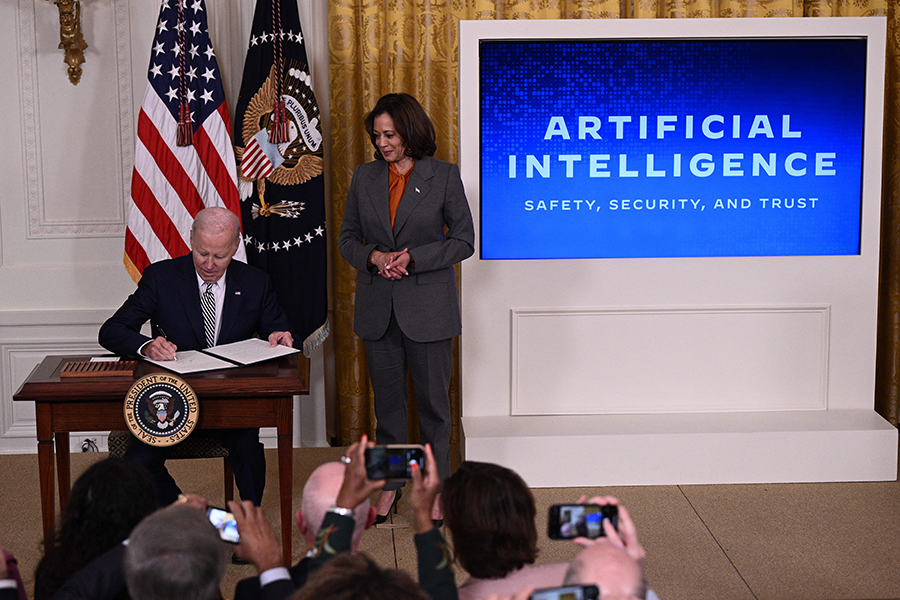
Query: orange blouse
(396,187)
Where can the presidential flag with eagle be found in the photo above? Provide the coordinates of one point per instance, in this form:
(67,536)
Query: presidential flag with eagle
(278,142)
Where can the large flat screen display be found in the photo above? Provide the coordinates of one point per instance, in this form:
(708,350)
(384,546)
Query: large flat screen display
(671,147)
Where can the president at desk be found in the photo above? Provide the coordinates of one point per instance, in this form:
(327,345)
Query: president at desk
(193,302)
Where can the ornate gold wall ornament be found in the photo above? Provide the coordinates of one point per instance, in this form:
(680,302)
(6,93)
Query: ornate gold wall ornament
(70,38)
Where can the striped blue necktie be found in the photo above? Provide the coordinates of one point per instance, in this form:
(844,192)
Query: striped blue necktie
(208,302)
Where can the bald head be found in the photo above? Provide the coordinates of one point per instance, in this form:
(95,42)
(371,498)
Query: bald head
(610,568)
(320,493)
(217,220)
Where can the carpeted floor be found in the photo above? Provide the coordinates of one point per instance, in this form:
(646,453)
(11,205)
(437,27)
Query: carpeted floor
(837,541)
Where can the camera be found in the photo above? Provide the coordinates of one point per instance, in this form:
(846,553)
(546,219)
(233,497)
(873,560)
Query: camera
(568,592)
(567,521)
(393,461)
(224,522)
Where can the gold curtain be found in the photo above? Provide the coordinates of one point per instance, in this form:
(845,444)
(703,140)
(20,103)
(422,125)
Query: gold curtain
(381,46)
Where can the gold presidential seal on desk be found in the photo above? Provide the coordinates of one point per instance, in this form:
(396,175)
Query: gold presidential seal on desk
(161,409)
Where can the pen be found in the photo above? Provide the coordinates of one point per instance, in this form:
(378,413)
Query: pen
(165,337)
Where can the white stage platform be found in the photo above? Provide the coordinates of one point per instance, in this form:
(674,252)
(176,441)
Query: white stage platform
(672,449)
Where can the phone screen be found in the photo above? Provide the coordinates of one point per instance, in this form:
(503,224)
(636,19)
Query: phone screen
(570,592)
(392,462)
(567,521)
(224,522)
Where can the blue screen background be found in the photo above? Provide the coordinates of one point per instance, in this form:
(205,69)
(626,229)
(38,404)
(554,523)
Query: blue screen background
(819,83)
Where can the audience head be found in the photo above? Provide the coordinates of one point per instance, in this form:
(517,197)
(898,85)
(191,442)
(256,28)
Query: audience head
(411,123)
(610,568)
(174,553)
(319,493)
(215,236)
(357,577)
(106,502)
(490,514)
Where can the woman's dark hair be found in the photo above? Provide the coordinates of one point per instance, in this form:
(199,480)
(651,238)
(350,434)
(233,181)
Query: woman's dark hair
(410,122)
(357,577)
(106,502)
(490,514)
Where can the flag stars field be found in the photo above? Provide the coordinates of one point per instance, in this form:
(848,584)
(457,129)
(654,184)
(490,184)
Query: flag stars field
(175,176)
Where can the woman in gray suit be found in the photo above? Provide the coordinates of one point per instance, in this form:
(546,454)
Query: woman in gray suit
(406,223)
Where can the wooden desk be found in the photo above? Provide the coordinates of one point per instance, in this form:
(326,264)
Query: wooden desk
(259,395)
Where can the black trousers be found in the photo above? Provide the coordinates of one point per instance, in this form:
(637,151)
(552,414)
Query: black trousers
(390,359)
(245,452)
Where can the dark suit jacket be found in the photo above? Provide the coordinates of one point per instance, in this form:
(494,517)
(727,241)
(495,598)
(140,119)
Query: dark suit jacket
(168,295)
(248,589)
(425,303)
(101,579)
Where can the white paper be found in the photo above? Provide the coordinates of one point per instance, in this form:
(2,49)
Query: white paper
(192,361)
(250,351)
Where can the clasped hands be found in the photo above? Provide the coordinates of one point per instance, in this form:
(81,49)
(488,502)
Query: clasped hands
(391,265)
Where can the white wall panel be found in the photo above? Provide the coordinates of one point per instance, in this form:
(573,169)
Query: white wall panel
(81,130)
(678,359)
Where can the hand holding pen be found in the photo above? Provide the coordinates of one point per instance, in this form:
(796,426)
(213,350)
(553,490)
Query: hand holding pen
(160,348)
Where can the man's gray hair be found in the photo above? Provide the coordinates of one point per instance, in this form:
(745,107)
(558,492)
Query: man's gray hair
(217,219)
(174,553)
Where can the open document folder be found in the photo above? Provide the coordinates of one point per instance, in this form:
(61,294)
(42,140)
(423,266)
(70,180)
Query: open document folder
(226,356)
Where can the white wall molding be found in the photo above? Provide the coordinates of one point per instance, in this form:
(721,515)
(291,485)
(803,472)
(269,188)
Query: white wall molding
(39,225)
(704,358)
(29,109)
(26,337)
(18,432)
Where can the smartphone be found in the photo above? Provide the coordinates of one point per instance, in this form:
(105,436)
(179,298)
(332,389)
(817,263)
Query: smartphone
(393,461)
(568,592)
(567,521)
(224,522)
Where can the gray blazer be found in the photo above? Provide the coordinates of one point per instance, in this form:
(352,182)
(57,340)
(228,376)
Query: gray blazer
(425,302)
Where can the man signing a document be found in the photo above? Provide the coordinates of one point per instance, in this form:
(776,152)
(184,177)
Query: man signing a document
(193,302)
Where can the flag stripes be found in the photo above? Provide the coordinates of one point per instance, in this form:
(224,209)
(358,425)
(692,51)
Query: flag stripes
(171,183)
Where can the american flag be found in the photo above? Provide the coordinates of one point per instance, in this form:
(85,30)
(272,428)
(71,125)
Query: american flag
(171,182)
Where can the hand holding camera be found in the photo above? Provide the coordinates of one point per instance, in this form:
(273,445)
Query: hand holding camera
(426,484)
(257,543)
(357,486)
(624,535)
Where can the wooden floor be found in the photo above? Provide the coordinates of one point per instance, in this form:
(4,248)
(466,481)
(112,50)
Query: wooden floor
(715,542)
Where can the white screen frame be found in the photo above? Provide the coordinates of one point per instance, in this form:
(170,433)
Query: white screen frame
(817,314)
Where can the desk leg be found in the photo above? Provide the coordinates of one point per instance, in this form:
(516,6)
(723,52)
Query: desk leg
(286,472)
(44,418)
(63,470)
